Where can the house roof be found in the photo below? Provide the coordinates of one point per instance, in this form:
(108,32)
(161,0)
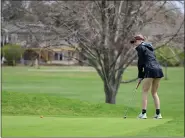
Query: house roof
(57,49)
(34,28)
(27,27)
(37,28)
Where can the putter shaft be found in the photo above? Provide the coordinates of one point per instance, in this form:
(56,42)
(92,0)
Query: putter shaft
(133,97)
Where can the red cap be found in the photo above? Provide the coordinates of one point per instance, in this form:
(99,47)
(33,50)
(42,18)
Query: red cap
(139,37)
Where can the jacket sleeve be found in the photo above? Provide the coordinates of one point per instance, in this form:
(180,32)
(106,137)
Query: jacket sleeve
(141,62)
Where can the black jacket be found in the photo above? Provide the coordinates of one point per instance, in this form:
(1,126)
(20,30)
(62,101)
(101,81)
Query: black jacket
(148,67)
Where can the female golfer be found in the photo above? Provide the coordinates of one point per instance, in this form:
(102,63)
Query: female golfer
(150,71)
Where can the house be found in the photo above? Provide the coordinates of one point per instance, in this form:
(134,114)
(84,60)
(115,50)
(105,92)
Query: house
(37,36)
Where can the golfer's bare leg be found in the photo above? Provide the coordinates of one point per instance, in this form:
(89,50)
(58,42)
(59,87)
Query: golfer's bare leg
(147,82)
(155,86)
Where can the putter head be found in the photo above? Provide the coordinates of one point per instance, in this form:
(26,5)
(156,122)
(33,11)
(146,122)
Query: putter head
(124,117)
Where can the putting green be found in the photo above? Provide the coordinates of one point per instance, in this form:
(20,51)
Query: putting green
(59,126)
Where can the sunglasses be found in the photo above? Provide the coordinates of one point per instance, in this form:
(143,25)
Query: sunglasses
(132,41)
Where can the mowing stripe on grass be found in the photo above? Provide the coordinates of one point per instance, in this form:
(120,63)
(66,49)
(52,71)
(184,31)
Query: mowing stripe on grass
(61,70)
(57,126)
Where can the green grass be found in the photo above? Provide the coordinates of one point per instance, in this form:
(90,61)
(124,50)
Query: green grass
(15,103)
(65,95)
(35,126)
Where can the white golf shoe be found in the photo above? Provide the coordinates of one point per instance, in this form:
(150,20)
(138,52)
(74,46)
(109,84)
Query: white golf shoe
(158,116)
(142,116)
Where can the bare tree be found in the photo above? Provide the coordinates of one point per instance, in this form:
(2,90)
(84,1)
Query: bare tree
(103,30)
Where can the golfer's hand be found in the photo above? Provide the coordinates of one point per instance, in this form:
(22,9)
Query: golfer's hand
(140,79)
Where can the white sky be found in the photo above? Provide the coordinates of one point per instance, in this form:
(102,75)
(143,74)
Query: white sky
(178,4)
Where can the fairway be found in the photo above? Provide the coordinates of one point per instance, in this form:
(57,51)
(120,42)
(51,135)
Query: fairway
(105,69)
(56,126)
(72,101)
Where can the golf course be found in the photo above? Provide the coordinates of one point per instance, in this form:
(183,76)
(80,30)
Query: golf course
(70,101)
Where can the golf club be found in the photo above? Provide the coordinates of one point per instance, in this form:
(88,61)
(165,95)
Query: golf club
(132,98)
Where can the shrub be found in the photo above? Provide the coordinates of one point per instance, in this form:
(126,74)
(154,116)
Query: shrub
(30,54)
(12,53)
(165,55)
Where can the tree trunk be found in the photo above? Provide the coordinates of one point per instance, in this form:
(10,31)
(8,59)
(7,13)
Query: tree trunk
(14,63)
(111,99)
(36,63)
(110,95)
(166,67)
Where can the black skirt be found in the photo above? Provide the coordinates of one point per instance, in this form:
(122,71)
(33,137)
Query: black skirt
(153,73)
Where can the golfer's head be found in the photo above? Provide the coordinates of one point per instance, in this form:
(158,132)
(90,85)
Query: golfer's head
(137,40)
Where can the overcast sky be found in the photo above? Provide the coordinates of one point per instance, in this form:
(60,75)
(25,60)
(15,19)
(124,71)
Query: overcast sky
(180,5)
(177,3)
